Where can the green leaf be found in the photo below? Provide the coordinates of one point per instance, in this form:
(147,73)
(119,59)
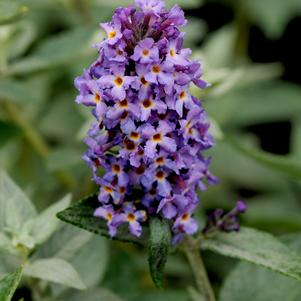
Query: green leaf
(95,294)
(248,282)
(8,285)
(81,215)
(195,295)
(7,132)
(15,207)
(286,165)
(92,261)
(263,285)
(271,15)
(57,50)
(44,225)
(159,244)
(63,158)
(18,91)
(11,10)
(256,247)
(55,270)
(74,239)
(219,47)
(240,106)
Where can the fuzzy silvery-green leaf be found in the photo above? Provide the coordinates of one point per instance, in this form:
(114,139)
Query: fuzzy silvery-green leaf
(92,261)
(240,105)
(271,15)
(255,283)
(248,282)
(81,215)
(159,244)
(256,247)
(18,91)
(57,50)
(95,294)
(74,239)
(11,10)
(15,207)
(44,225)
(55,270)
(280,163)
(63,158)
(8,285)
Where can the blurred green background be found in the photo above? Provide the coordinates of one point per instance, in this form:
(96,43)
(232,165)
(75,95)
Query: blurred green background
(251,56)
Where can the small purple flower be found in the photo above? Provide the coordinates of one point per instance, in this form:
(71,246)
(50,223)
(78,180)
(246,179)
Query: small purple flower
(108,214)
(170,206)
(150,6)
(145,52)
(134,219)
(158,137)
(161,73)
(226,222)
(185,223)
(117,81)
(113,32)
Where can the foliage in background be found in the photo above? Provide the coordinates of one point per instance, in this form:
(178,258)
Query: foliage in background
(43,46)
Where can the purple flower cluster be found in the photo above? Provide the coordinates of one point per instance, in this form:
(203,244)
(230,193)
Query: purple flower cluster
(219,220)
(150,131)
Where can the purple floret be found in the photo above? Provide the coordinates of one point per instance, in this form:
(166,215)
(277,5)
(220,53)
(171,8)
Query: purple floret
(150,132)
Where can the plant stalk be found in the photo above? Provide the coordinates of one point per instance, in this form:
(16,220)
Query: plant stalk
(195,260)
(36,140)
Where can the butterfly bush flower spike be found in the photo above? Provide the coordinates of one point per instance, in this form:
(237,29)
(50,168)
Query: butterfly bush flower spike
(150,133)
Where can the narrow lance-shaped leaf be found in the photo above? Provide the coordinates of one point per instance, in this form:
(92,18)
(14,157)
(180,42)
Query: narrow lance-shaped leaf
(257,247)
(8,285)
(264,284)
(159,243)
(15,207)
(55,270)
(288,166)
(11,10)
(81,215)
(43,226)
(58,50)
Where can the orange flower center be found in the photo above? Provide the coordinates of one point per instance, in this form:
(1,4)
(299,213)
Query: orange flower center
(123,103)
(157,137)
(140,170)
(147,103)
(160,175)
(135,136)
(160,161)
(97,98)
(131,217)
(109,216)
(108,189)
(185,217)
(143,81)
(182,95)
(118,81)
(145,52)
(116,168)
(156,69)
(112,34)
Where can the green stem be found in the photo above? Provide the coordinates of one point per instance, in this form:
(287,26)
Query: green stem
(32,136)
(194,257)
(36,140)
